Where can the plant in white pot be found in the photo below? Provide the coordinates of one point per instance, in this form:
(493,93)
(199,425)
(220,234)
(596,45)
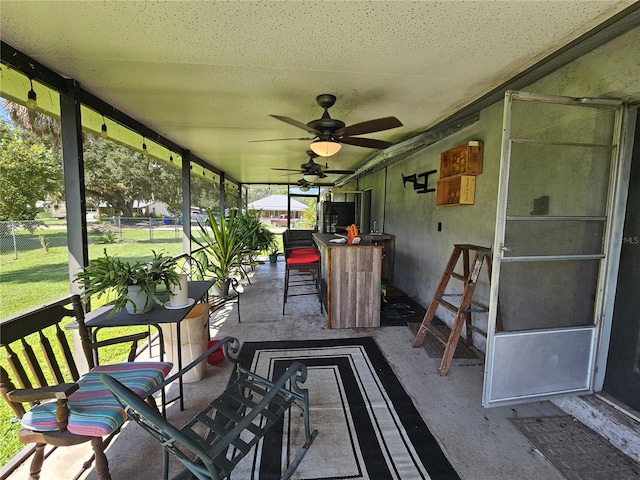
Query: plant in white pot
(133,284)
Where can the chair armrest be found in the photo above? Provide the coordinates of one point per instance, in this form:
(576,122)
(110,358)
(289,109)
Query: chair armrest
(57,392)
(231,348)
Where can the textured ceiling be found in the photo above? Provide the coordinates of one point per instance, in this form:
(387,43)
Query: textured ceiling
(207,74)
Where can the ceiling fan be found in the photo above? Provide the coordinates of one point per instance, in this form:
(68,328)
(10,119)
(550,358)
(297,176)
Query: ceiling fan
(304,186)
(312,171)
(331,133)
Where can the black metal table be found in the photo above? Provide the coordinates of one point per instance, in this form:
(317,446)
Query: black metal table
(99,318)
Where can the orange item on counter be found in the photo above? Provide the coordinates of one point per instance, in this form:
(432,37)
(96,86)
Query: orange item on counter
(352,232)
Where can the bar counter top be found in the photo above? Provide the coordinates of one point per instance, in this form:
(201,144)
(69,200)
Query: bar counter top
(325,239)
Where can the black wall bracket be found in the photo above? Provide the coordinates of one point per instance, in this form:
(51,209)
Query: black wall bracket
(419,187)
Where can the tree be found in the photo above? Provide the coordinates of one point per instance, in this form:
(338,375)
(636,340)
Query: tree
(42,126)
(30,172)
(205,192)
(118,176)
(114,174)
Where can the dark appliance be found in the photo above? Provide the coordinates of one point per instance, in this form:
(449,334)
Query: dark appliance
(335,217)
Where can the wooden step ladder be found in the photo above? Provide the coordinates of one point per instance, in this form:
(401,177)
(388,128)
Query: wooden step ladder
(463,311)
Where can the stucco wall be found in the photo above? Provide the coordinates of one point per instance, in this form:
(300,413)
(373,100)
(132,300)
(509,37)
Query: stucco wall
(612,71)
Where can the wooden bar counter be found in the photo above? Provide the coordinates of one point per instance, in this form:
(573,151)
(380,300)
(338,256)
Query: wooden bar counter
(351,276)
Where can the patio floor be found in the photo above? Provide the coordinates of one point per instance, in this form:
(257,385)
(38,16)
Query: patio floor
(480,443)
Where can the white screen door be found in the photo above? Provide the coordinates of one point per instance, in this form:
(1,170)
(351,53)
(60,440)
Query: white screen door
(549,255)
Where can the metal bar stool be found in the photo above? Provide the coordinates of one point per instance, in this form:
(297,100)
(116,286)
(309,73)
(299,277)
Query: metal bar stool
(305,263)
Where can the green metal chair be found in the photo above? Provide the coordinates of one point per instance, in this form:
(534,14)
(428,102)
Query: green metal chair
(248,408)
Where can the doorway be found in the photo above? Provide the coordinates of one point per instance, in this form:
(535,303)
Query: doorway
(622,377)
(302,210)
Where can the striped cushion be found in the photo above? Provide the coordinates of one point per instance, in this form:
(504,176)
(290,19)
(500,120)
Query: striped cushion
(93,410)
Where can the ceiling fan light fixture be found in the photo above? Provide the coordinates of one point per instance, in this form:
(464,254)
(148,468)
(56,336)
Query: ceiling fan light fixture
(325,148)
(304,188)
(311,177)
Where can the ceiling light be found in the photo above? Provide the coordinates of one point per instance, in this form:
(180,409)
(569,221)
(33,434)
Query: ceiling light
(325,148)
(32,97)
(311,177)
(305,188)
(103,132)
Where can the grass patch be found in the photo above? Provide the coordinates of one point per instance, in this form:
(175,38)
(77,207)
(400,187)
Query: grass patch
(39,276)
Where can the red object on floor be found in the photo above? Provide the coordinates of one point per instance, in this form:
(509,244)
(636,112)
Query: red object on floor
(216,356)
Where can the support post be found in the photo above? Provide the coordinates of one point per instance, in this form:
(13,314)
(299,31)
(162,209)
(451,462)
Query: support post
(73,167)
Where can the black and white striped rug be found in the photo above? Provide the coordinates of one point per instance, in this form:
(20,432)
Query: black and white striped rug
(368,427)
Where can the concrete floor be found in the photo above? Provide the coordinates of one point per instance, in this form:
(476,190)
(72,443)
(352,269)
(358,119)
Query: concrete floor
(481,444)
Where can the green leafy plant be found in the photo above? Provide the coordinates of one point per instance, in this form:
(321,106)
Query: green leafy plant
(256,236)
(223,247)
(274,250)
(274,247)
(44,243)
(163,270)
(108,237)
(105,233)
(108,274)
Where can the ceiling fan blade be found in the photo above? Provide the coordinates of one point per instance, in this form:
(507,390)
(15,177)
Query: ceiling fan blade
(279,139)
(296,123)
(340,172)
(286,169)
(370,126)
(366,142)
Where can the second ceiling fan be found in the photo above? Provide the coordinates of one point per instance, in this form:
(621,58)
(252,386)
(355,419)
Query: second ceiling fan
(330,133)
(313,171)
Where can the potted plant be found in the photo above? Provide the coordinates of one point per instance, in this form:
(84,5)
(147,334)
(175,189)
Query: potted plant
(224,250)
(133,284)
(274,250)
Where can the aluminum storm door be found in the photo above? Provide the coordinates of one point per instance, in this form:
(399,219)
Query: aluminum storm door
(549,254)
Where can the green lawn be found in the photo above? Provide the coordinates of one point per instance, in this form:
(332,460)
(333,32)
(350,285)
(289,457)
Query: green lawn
(38,276)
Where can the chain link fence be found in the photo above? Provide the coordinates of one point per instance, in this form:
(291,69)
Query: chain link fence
(25,235)
(158,228)
(21,235)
